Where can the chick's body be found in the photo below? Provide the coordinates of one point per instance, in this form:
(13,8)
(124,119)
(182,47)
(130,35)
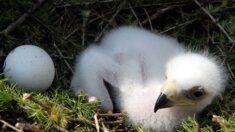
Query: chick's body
(134,61)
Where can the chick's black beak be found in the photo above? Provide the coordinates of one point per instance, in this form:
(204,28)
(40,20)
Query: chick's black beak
(162,102)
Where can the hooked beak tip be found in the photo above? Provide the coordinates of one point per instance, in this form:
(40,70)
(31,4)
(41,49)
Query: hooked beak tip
(162,102)
(155,109)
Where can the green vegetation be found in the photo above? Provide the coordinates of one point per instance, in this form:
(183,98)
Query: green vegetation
(57,110)
(64,28)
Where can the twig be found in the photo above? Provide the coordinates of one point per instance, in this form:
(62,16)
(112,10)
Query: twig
(30,97)
(230,70)
(150,22)
(218,25)
(105,129)
(21,19)
(50,29)
(132,10)
(160,4)
(113,122)
(222,122)
(83,119)
(99,16)
(69,35)
(65,61)
(179,25)
(60,128)
(85,3)
(97,126)
(222,54)
(64,57)
(227,64)
(99,119)
(11,126)
(86,14)
(110,21)
(28,127)
(83,34)
(111,114)
(159,13)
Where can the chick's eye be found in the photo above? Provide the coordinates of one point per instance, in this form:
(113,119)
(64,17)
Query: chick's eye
(196,93)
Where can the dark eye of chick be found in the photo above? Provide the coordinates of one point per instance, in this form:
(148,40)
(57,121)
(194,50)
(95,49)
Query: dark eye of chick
(195,93)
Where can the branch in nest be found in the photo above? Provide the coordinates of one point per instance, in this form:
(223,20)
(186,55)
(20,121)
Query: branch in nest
(159,13)
(133,12)
(61,55)
(28,127)
(21,19)
(111,122)
(216,22)
(10,126)
(179,25)
(110,21)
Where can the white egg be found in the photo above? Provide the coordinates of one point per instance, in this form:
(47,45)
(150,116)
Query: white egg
(29,67)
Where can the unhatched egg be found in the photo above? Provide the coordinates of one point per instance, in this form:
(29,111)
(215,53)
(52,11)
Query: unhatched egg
(30,67)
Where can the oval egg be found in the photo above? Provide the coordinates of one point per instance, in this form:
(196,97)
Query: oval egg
(29,67)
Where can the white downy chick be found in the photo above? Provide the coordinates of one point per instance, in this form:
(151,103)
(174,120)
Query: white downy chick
(151,77)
